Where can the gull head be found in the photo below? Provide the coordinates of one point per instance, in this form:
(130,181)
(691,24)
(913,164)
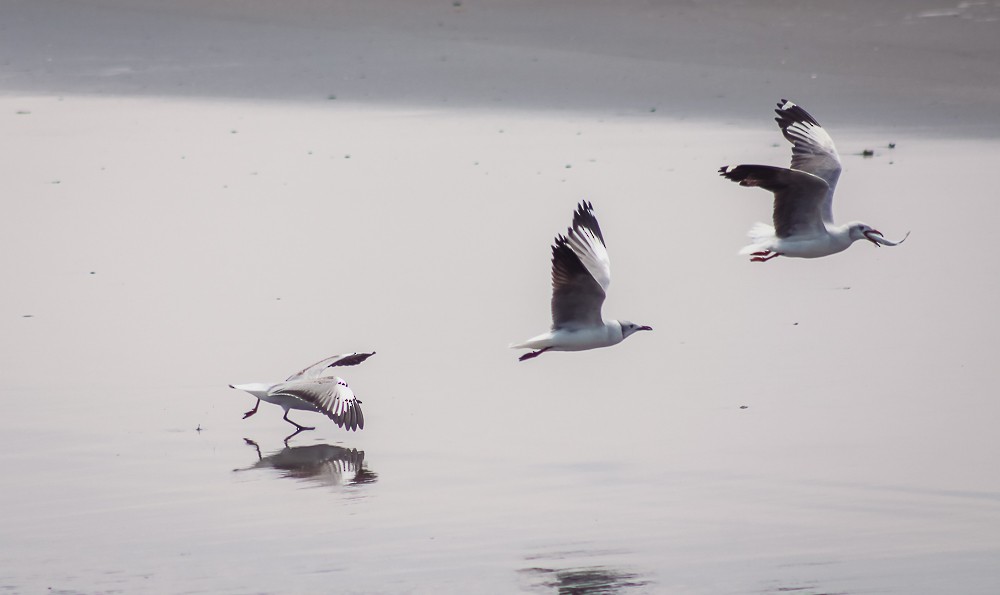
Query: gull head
(630,327)
(861,231)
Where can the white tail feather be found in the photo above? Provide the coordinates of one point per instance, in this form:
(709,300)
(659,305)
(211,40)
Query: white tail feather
(761,237)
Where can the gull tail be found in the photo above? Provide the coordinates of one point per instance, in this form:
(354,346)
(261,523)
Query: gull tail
(761,235)
(543,340)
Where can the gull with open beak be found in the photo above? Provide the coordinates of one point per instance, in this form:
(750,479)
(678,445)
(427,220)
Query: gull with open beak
(803,195)
(309,390)
(581,274)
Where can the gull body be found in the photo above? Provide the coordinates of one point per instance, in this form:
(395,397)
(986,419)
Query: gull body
(581,274)
(803,195)
(579,339)
(310,390)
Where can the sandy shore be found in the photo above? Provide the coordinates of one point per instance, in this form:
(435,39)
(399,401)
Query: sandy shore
(932,65)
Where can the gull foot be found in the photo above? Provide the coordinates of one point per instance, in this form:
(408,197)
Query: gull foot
(764,258)
(532,354)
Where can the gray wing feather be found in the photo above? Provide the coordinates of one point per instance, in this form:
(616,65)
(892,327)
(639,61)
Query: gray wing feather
(315,370)
(813,150)
(577,297)
(798,196)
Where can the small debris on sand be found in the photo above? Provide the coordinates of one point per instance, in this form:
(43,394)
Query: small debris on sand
(868,153)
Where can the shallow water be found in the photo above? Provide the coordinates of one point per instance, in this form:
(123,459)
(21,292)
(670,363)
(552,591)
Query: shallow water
(157,251)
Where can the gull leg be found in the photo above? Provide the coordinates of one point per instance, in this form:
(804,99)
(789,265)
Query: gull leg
(532,354)
(293,435)
(295,424)
(765,258)
(252,411)
(761,253)
(254,444)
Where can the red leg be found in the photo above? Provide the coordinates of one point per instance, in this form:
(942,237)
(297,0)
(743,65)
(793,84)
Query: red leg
(765,258)
(761,253)
(527,356)
(252,411)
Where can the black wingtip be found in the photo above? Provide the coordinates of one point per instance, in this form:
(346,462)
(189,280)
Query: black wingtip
(790,112)
(735,173)
(351,360)
(584,217)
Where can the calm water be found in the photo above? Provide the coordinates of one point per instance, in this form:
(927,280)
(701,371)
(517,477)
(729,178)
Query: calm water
(155,252)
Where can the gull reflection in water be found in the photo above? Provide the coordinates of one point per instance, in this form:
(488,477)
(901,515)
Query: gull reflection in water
(597,580)
(564,578)
(322,464)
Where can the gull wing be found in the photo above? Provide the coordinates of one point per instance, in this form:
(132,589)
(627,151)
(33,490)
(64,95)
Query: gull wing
(315,370)
(330,395)
(798,196)
(581,272)
(587,241)
(813,150)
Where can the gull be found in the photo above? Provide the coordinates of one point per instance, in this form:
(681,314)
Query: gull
(581,274)
(309,390)
(803,195)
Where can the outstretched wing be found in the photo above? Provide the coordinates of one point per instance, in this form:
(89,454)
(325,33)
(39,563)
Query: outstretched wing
(581,272)
(813,150)
(587,241)
(315,370)
(798,196)
(330,395)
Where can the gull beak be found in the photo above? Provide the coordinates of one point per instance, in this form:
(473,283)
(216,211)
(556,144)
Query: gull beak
(869,234)
(645,328)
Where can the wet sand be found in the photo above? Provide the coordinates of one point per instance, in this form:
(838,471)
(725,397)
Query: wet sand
(929,65)
(162,244)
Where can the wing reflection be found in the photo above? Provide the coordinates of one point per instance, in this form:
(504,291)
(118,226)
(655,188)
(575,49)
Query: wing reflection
(584,571)
(593,580)
(322,464)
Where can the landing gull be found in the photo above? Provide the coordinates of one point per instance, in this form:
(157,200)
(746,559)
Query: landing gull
(803,195)
(581,274)
(309,390)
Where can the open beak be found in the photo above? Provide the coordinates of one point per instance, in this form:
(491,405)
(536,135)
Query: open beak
(869,234)
(876,238)
(645,328)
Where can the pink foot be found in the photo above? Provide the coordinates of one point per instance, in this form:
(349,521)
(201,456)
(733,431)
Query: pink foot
(765,258)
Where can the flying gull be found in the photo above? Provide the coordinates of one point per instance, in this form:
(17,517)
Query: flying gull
(310,390)
(581,274)
(803,195)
